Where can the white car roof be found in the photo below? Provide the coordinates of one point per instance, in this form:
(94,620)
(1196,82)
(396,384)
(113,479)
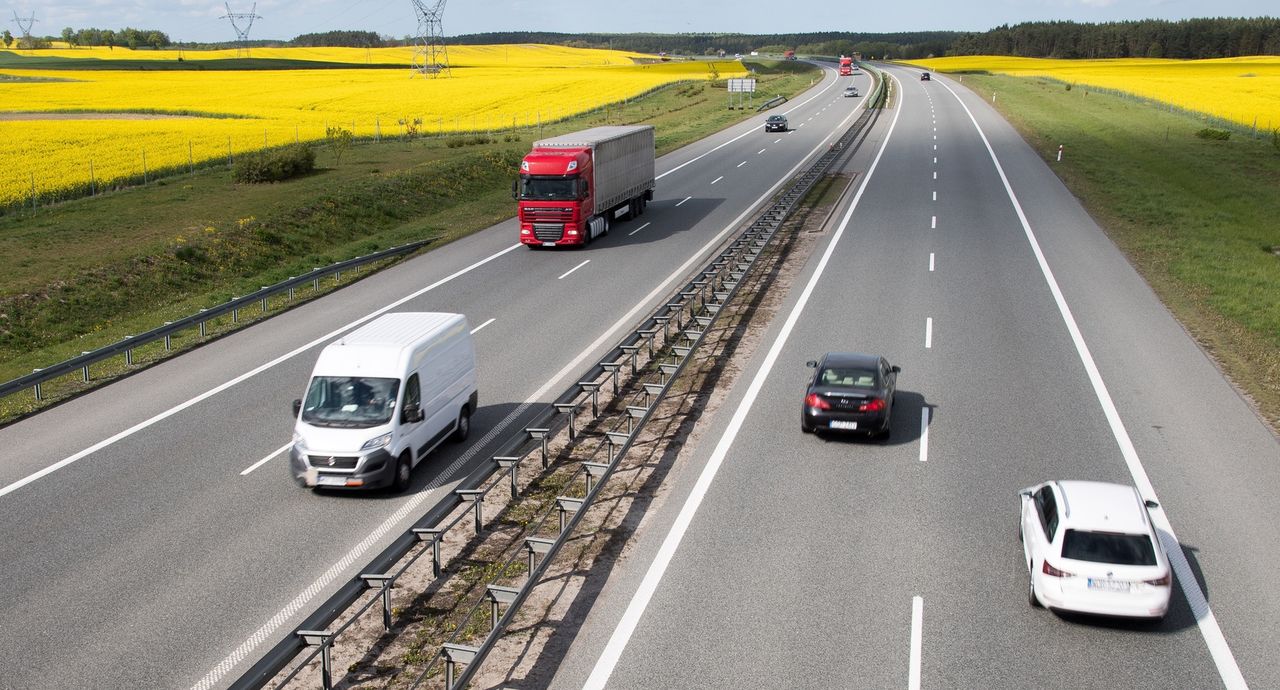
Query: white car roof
(1103,507)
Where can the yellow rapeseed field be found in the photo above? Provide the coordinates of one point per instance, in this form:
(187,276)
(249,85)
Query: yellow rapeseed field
(104,125)
(1244,90)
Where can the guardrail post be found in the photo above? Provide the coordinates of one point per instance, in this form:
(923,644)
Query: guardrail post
(570,409)
(263,302)
(202,322)
(615,439)
(315,280)
(435,536)
(455,654)
(235,311)
(322,639)
(39,392)
(592,387)
(612,368)
(168,338)
(386,582)
(535,546)
(476,497)
(568,504)
(634,413)
(128,352)
(665,370)
(498,594)
(84,371)
(594,470)
(662,320)
(540,435)
(631,350)
(513,464)
(648,334)
(652,390)
(676,309)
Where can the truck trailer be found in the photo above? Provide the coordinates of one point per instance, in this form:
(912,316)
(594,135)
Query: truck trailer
(574,186)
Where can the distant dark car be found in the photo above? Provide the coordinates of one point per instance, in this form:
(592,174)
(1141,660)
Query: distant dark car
(924,76)
(775,123)
(851,393)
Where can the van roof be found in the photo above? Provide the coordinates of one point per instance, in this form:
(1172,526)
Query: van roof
(379,348)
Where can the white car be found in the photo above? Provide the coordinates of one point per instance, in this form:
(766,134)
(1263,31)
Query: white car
(1090,548)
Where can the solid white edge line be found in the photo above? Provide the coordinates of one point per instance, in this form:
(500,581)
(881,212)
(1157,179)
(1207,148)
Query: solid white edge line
(635,609)
(264,461)
(642,227)
(584,263)
(243,377)
(1223,658)
(917,640)
(683,200)
(268,629)
(717,179)
(924,434)
(928,332)
(477,328)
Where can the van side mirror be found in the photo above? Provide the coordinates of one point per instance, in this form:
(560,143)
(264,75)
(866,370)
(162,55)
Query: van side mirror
(297,408)
(1151,504)
(896,369)
(412,414)
(812,364)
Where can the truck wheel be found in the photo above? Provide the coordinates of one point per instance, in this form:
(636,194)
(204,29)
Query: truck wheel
(463,429)
(606,226)
(644,204)
(404,472)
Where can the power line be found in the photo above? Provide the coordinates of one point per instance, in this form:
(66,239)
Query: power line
(24,27)
(431,56)
(242,35)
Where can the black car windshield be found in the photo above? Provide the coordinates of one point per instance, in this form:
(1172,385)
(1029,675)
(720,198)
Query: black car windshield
(350,402)
(856,377)
(777,118)
(549,188)
(1108,547)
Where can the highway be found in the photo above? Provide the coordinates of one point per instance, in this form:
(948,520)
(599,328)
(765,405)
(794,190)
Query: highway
(1030,350)
(152,537)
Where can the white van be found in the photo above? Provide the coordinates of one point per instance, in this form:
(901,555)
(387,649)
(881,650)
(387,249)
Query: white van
(382,398)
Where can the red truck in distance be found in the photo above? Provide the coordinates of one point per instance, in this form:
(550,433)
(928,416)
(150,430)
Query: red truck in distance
(789,54)
(846,66)
(574,186)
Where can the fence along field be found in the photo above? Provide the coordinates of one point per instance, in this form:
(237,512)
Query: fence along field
(74,132)
(1244,91)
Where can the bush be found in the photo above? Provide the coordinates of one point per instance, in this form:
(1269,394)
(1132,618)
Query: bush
(1214,134)
(275,165)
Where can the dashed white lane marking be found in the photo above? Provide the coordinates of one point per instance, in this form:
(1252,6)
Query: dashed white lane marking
(935,174)
(265,460)
(917,635)
(931,262)
(715,181)
(584,263)
(935,147)
(935,195)
(684,200)
(933,222)
(761,151)
(928,333)
(1223,658)
(799,125)
(924,434)
(935,160)
(777,140)
(477,328)
(653,576)
(742,164)
(935,136)
(642,227)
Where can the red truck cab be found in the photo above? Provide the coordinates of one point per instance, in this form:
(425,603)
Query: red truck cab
(555,196)
(846,66)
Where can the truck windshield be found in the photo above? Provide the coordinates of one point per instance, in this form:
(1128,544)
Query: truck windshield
(549,188)
(350,402)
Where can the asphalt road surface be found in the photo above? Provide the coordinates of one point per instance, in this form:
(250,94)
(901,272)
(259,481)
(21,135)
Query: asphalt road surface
(1030,350)
(152,537)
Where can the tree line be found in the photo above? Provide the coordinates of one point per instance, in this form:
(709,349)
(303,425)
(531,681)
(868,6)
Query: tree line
(1189,38)
(341,39)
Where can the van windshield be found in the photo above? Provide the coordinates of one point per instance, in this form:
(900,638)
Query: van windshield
(350,402)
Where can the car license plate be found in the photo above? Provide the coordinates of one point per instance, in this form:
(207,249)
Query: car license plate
(331,480)
(1108,585)
(838,424)
(548,244)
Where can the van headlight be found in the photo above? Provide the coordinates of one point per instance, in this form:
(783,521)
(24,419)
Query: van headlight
(299,444)
(377,442)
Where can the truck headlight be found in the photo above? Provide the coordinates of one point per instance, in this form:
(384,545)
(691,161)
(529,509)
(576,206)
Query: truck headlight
(377,442)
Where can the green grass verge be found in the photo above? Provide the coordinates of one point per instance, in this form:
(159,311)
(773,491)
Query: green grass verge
(1197,217)
(85,273)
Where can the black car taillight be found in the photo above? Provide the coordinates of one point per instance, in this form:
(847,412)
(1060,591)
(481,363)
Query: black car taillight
(816,401)
(872,405)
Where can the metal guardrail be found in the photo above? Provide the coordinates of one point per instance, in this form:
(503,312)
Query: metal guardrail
(776,100)
(692,309)
(35,379)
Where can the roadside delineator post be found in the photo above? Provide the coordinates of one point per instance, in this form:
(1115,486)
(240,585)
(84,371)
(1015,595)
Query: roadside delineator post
(324,640)
(1059,152)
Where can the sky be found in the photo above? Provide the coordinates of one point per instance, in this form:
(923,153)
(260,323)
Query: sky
(200,20)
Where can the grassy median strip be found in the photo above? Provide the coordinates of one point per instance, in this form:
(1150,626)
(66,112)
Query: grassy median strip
(1196,215)
(83,274)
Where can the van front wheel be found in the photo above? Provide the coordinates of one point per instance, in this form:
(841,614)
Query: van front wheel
(463,429)
(404,472)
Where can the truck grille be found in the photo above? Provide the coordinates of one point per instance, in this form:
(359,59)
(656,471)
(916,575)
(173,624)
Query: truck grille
(547,215)
(333,462)
(547,233)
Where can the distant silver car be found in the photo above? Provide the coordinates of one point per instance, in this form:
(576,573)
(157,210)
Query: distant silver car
(851,92)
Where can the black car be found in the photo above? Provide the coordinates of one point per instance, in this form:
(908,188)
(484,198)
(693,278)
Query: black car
(924,76)
(775,123)
(849,392)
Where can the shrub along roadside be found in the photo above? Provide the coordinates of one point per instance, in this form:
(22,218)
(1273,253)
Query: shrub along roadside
(274,165)
(1195,216)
